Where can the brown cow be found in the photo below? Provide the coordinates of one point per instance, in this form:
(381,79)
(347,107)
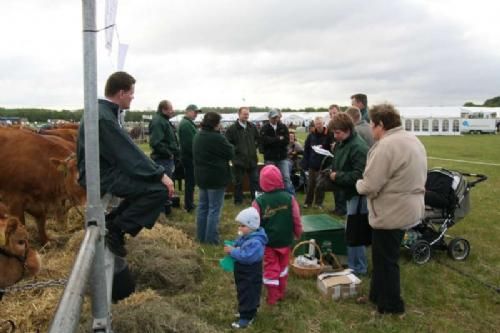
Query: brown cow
(68,125)
(61,141)
(17,259)
(37,176)
(69,134)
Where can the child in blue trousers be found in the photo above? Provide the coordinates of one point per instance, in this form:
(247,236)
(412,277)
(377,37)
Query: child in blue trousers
(247,252)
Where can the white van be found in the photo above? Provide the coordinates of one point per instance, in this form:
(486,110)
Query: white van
(480,121)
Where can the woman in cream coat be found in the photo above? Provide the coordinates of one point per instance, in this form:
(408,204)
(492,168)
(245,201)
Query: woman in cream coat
(394,183)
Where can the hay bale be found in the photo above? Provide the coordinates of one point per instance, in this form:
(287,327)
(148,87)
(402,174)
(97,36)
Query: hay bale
(146,312)
(164,269)
(167,236)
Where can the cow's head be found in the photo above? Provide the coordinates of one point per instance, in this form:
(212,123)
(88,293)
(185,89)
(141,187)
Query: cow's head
(68,169)
(16,243)
(16,237)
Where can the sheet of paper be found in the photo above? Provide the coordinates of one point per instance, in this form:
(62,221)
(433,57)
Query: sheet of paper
(321,151)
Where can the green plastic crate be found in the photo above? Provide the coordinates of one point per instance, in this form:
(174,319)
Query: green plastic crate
(327,231)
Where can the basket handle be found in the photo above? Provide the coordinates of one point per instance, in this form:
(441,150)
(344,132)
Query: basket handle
(337,263)
(309,242)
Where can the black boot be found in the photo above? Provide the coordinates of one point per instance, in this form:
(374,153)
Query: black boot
(115,239)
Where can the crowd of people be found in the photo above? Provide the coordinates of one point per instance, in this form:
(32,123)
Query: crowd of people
(374,167)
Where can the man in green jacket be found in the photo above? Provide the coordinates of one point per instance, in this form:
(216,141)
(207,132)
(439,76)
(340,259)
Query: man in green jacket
(163,138)
(361,102)
(244,136)
(125,171)
(187,131)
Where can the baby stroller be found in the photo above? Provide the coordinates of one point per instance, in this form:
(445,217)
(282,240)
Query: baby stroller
(446,201)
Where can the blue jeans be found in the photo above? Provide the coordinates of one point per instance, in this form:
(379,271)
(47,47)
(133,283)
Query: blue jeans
(285,173)
(168,165)
(356,256)
(208,215)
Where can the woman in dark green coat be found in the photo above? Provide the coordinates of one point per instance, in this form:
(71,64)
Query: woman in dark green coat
(349,162)
(212,153)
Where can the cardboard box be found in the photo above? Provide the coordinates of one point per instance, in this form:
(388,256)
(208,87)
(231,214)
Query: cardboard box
(339,285)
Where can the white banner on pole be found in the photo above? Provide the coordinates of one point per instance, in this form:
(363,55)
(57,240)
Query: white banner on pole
(122,54)
(110,19)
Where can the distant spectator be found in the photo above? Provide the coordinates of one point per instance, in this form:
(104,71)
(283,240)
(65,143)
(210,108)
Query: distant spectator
(163,141)
(312,161)
(360,125)
(295,151)
(332,111)
(338,195)
(361,102)
(212,153)
(274,138)
(244,136)
(187,131)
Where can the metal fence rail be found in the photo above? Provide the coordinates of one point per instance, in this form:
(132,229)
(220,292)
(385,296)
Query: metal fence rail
(68,312)
(94,265)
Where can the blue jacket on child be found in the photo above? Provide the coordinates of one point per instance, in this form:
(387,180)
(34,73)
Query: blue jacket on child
(249,249)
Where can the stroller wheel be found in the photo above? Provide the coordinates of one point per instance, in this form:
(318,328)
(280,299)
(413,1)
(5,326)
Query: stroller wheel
(458,249)
(421,252)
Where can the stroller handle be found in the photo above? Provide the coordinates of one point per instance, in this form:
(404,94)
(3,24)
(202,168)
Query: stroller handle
(479,178)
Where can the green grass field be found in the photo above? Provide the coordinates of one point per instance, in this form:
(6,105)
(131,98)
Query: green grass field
(438,298)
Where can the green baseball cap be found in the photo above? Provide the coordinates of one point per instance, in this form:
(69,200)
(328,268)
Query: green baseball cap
(193,107)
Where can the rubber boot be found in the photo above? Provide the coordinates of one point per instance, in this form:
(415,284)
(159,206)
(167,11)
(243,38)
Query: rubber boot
(273,294)
(282,287)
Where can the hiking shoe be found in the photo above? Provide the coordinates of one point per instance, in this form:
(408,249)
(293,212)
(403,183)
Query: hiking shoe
(115,240)
(242,323)
(305,206)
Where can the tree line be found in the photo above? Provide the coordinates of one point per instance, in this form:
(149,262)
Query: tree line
(492,102)
(44,115)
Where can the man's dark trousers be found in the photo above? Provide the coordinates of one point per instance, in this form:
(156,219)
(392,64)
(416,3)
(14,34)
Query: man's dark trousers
(238,175)
(189,184)
(139,209)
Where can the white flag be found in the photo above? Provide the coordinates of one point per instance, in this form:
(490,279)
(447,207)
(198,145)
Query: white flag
(122,54)
(109,19)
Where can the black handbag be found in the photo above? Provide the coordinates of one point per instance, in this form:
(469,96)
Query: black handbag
(323,181)
(358,231)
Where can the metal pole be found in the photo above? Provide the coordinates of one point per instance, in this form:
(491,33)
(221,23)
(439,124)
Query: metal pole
(68,311)
(94,212)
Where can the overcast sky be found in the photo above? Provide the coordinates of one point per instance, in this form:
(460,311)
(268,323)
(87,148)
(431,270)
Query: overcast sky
(279,53)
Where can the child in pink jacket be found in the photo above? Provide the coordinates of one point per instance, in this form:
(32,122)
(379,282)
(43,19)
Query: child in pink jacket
(280,218)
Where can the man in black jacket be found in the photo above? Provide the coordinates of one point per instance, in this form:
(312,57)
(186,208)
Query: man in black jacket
(244,136)
(125,170)
(274,142)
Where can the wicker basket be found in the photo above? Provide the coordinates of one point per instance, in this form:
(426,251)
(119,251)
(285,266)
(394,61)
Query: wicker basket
(306,272)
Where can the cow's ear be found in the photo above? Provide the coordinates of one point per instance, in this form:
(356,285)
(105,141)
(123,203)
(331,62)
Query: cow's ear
(11,226)
(61,165)
(3,229)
